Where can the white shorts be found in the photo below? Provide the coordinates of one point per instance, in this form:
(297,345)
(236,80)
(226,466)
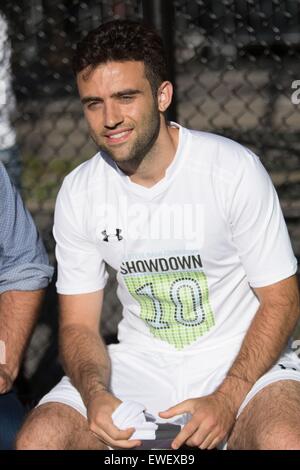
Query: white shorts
(159,380)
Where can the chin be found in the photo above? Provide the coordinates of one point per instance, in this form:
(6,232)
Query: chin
(120,158)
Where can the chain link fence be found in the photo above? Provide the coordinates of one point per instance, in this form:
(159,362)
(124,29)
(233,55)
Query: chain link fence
(236,67)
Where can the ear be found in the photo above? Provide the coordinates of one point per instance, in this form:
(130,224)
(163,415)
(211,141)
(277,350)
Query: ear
(164,96)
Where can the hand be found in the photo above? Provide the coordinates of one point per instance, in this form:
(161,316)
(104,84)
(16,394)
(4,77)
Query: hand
(5,381)
(100,409)
(213,417)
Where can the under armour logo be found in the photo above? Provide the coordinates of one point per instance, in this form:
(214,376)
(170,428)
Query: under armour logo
(117,235)
(286,367)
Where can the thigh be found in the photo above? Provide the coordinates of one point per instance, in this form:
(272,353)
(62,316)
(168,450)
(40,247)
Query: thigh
(271,409)
(11,416)
(270,420)
(56,426)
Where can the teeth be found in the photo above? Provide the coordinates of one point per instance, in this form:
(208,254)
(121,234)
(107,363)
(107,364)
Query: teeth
(118,136)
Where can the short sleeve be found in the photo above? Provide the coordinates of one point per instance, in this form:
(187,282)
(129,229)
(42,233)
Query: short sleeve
(258,228)
(24,263)
(81,268)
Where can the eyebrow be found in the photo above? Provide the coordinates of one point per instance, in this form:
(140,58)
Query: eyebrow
(118,94)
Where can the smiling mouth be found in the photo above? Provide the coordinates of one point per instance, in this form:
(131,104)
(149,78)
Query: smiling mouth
(119,137)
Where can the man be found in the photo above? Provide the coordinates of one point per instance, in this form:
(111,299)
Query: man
(192,225)
(24,273)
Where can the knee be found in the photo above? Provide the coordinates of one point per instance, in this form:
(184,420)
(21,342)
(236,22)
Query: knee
(35,433)
(27,438)
(25,441)
(32,438)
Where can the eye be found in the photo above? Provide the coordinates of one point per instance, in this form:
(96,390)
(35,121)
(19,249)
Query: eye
(94,105)
(127,97)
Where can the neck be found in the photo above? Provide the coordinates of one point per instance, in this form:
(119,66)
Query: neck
(152,168)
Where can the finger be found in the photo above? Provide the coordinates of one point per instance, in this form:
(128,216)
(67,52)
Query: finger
(204,434)
(179,409)
(214,443)
(106,425)
(115,433)
(208,440)
(127,444)
(118,434)
(120,444)
(186,432)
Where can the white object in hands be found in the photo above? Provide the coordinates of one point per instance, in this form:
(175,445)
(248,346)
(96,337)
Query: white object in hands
(131,414)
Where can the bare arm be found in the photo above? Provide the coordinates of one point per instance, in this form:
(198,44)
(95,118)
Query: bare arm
(213,415)
(86,362)
(267,336)
(18,314)
(83,351)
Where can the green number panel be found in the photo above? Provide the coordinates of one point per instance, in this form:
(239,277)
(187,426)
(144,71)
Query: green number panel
(175,306)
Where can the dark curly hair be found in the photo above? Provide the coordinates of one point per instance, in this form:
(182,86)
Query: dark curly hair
(123,40)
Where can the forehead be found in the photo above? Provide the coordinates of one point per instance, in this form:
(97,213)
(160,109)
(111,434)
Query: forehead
(112,76)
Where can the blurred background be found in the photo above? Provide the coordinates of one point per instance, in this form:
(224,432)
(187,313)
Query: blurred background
(236,67)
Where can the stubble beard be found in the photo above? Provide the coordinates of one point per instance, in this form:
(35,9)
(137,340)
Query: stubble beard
(141,146)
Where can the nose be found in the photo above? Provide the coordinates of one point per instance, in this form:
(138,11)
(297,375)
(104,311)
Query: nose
(112,115)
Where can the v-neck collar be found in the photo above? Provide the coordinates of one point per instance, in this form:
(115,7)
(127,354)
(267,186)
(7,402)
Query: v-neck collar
(172,169)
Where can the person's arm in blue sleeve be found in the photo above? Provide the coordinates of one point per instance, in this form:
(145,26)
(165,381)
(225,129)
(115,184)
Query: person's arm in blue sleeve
(24,274)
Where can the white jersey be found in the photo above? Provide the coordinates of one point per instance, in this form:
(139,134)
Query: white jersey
(187,251)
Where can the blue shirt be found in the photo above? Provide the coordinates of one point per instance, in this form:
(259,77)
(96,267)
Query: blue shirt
(24,262)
